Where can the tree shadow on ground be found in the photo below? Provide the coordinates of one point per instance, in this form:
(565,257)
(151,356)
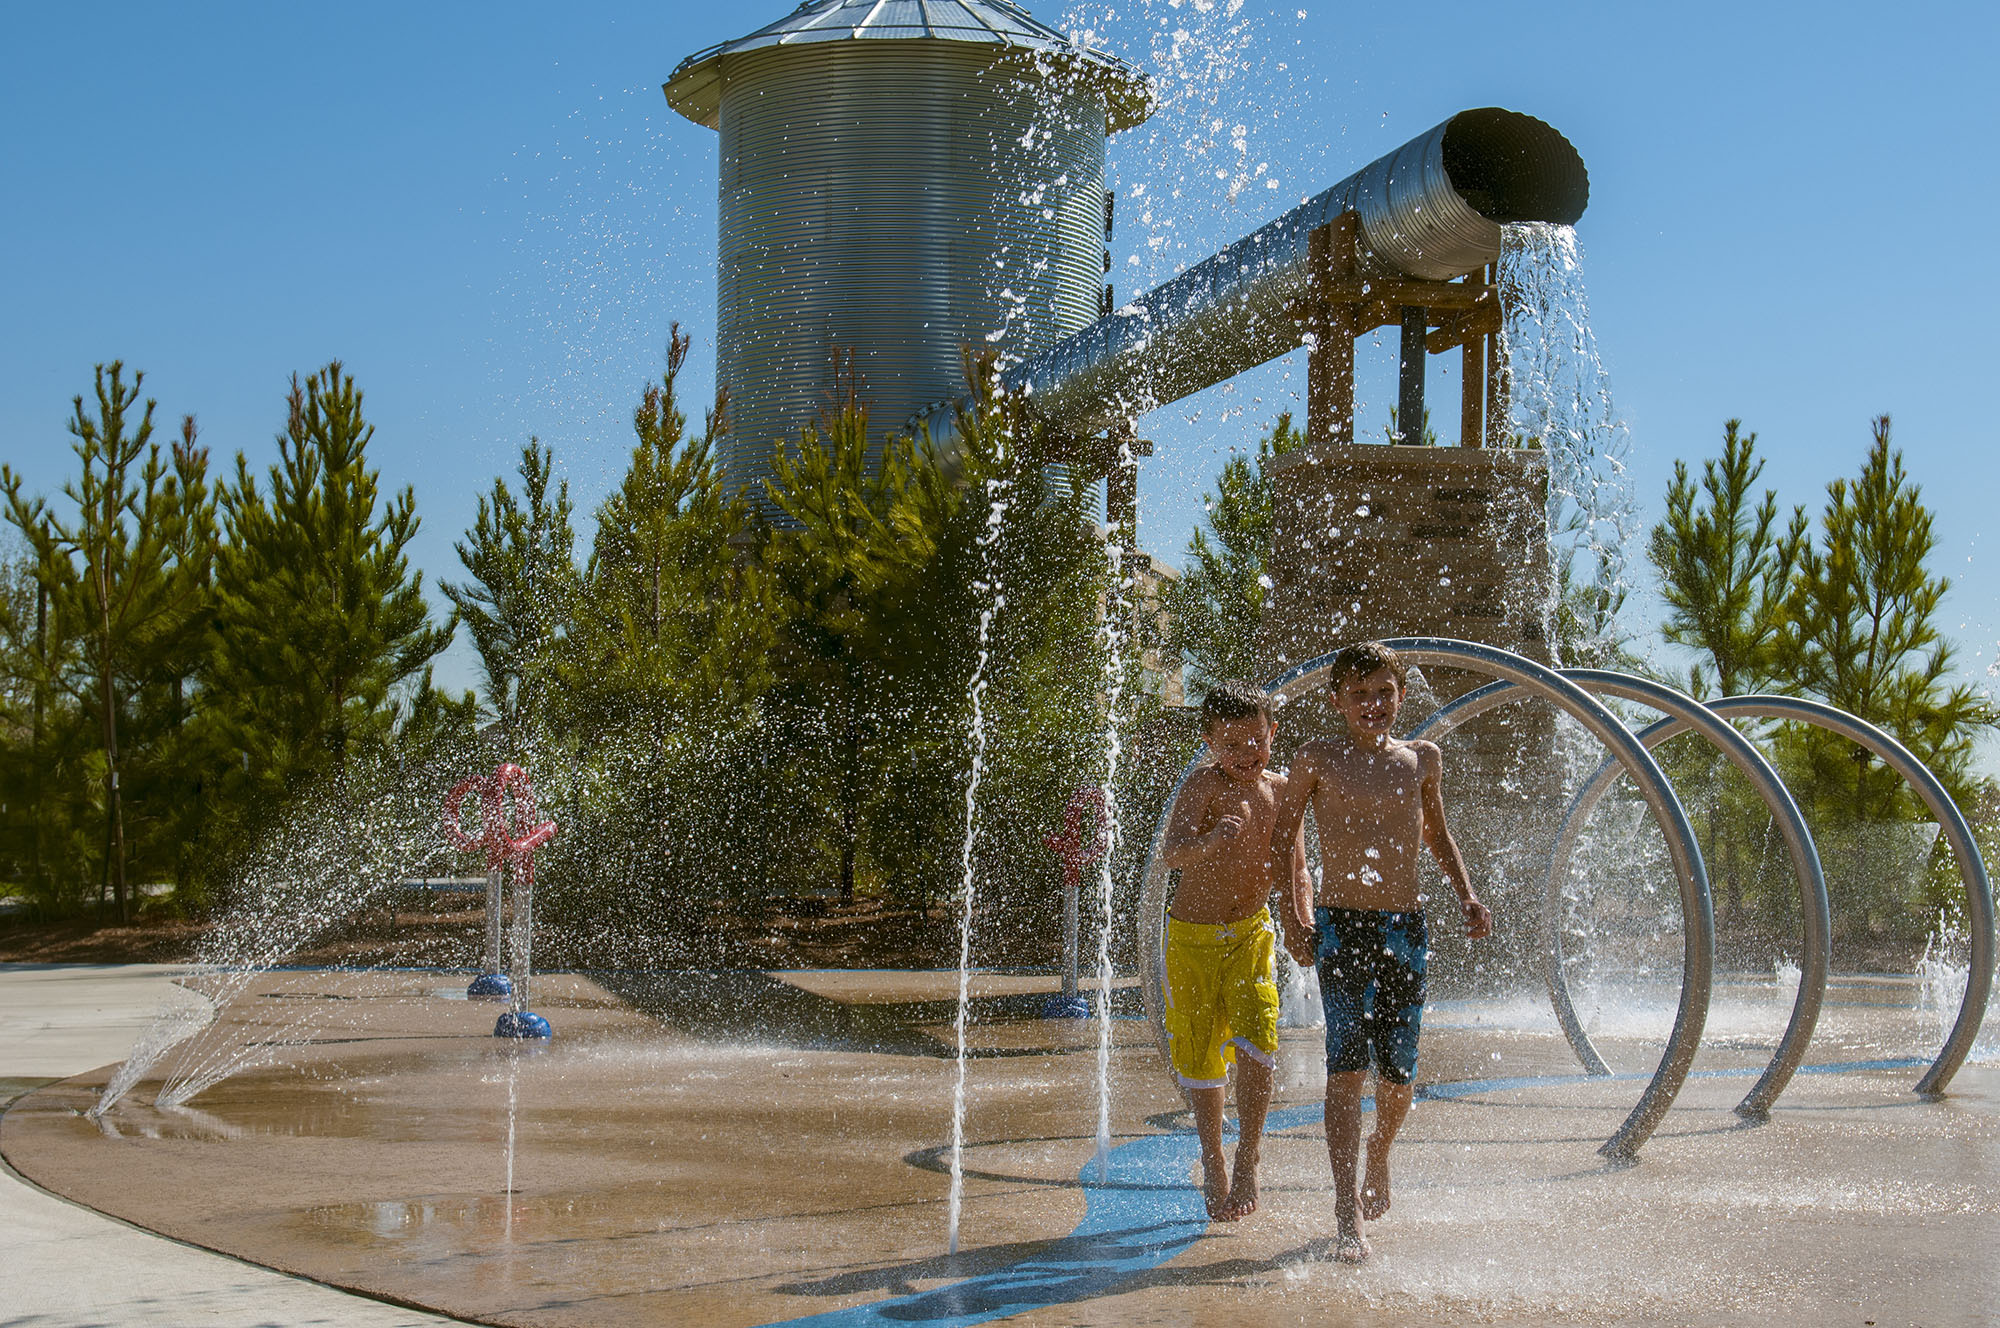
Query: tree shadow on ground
(723,1005)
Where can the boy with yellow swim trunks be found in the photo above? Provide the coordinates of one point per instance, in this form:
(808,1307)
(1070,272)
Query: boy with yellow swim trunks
(1222,999)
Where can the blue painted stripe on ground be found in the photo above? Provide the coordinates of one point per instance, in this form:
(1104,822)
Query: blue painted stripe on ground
(1145,1213)
(1142,1215)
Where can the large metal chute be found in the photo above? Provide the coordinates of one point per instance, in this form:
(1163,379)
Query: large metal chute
(1431,211)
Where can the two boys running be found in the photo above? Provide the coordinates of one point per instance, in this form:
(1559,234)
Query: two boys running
(1235,835)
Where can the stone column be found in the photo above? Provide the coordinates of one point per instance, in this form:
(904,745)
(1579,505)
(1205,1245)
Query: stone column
(1372,541)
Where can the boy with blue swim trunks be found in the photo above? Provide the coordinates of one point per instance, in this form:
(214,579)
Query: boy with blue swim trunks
(1377,802)
(1222,996)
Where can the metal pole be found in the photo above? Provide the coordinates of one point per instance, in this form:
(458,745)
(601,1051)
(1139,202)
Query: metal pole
(494,960)
(1071,882)
(1684,714)
(523,937)
(1410,378)
(1971,867)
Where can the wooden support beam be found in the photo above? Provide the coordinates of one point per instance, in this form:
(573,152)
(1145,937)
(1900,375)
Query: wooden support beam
(1340,305)
(1411,294)
(1499,376)
(1472,395)
(1410,367)
(1456,329)
(1121,502)
(1331,330)
(1097,455)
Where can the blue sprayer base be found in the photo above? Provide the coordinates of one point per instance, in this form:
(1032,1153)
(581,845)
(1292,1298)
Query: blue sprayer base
(521,1024)
(1066,1007)
(490,987)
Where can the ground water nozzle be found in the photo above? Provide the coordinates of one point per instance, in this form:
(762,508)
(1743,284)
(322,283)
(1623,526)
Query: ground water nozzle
(501,847)
(1076,853)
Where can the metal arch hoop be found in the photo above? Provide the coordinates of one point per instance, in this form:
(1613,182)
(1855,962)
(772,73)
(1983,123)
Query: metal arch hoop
(1971,866)
(1683,713)
(1699,932)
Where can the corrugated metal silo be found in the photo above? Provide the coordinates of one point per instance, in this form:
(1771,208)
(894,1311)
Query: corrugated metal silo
(898,178)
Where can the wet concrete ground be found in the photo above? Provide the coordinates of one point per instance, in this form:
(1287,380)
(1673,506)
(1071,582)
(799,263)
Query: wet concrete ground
(64,1266)
(740,1149)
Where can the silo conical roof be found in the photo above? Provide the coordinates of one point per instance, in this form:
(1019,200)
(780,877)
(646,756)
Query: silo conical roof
(696,86)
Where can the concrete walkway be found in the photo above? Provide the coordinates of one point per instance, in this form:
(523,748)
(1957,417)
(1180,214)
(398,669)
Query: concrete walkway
(67,1266)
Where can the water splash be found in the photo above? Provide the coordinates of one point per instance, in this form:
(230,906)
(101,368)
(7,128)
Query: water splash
(999,497)
(1112,633)
(1560,400)
(334,854)
(1942,972)
(513,1104)
(182,1015)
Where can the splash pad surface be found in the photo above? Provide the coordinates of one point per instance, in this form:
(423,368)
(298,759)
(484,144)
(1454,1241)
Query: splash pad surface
(746,1148)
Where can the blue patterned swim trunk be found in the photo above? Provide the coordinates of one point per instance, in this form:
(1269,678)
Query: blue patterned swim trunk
(1371,981)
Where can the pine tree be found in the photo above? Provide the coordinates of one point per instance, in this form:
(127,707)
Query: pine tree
(848,571)
(127,574)
(669,628)
(320,618)
(521,601)
(1216,608)
(1862,631)
(1725,568)
(659,677)
(35,719)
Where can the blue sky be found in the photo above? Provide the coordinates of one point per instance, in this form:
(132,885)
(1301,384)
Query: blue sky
(491,215)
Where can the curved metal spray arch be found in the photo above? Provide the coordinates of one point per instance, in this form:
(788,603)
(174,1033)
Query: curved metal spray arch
(1684,714)
(1791,1049)
(1699,932)
(1971,867)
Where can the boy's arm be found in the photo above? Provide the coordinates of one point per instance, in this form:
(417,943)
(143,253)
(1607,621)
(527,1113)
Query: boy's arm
(1289,874)
(1301,936)
(1437,837)
(1185,843)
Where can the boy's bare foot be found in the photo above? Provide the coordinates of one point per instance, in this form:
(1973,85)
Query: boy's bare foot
(1375,1182)
(1243,1194)
(1215,1191)
(1352,1247)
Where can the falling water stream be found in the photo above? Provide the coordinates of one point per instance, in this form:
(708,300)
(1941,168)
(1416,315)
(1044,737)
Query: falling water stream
(513,1102)
(1560,400)
(1116,612)
(998,495)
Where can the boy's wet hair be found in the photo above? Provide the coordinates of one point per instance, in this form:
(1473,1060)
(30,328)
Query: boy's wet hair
(1363,658)
(1234,699)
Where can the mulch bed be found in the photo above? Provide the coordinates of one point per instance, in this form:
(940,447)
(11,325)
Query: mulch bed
(793,932)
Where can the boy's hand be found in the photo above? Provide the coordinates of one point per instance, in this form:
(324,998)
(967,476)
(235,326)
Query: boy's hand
(1303,945)
(1230,825)
(1478,918)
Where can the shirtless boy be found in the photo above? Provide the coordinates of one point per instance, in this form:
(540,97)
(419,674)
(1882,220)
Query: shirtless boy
(1376,801)
(1222,1000)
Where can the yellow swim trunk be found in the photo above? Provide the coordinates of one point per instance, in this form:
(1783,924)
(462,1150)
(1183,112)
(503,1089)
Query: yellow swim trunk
(1220,996)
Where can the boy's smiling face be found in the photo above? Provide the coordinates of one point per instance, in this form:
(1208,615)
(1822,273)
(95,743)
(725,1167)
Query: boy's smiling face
(1369,703)
(1242,747)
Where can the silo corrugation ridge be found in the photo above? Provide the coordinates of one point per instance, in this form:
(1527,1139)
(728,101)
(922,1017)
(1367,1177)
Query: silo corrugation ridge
(1231,312)
(872,200)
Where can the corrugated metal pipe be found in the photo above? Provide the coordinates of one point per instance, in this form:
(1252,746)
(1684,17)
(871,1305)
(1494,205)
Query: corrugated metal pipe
(1432,209)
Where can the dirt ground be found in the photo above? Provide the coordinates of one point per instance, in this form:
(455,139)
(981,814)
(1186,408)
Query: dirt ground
(445,931)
